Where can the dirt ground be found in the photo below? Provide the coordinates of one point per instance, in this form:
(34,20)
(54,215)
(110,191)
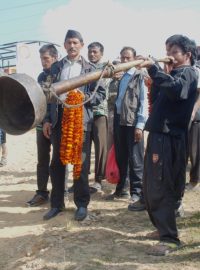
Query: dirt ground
(111,238)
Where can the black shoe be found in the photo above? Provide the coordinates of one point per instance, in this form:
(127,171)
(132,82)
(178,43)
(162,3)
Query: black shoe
(71,189)
(52,213)
(38,200)
(136,206)
(80,214)
(122,195)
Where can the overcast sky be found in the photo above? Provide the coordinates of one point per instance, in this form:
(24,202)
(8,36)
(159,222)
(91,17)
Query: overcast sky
(142,24)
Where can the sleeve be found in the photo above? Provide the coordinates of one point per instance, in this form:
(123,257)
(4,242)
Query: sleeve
(99,96)
(177,87)
(40,78)
(47,117)
(142,113)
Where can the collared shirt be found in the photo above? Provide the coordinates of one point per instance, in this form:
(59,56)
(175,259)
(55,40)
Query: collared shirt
(70,70)
(142,113)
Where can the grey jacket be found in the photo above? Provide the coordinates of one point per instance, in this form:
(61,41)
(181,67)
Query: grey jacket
(131,100)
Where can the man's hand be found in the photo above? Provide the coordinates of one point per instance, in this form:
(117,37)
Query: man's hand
(148,62)
(47,130)
(138,135)
(118,75)
(169,66)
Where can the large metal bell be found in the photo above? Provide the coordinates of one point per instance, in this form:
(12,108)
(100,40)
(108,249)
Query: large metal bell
(22,103)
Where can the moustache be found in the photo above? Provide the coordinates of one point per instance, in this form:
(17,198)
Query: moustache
(72,50)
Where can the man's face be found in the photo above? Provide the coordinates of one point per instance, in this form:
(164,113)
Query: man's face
(180,57)
(73,47)
(127,56)
(94,54)
(47,60)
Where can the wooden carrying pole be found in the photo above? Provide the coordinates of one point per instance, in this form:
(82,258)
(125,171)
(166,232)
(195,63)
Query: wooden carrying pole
(70,84)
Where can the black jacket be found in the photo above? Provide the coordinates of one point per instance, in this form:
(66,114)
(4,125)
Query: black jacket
(175,97)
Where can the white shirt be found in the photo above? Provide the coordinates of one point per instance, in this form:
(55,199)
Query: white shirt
(70,70)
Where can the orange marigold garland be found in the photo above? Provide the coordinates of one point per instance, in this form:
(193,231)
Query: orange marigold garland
(72,133)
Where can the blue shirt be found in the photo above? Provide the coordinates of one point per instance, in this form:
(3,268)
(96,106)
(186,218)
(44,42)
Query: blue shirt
(142,113)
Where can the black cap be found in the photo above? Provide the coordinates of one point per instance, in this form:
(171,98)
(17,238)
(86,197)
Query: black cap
(73,34)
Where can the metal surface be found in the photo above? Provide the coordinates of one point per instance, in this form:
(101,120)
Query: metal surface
(22,103)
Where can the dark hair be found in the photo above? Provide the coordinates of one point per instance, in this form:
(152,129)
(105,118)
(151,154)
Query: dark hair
(186,45)
(96,44)
(116,62)
(50,48)
(128,49)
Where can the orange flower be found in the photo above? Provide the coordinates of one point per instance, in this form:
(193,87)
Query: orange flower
(72,133)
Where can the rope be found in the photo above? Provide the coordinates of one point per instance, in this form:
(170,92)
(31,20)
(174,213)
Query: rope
(52,91)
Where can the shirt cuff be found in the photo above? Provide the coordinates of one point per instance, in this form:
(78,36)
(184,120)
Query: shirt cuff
(140,126)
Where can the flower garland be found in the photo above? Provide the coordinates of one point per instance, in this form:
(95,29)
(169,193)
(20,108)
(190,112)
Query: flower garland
(72,133)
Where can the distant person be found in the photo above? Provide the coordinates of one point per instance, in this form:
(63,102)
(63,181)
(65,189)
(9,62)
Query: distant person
(48,56)
(3,148)
(99,133)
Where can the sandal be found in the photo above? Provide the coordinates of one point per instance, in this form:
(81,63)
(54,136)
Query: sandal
(163,248)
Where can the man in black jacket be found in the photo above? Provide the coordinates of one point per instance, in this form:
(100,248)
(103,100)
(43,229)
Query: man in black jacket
(70,66)
(48,56)
(165,158)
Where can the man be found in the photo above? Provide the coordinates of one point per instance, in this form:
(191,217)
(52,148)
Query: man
(165,156)
(48,56)
(70,66)
(129,119)
(100,125)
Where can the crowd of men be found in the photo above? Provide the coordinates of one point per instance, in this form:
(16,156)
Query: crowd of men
(161,100)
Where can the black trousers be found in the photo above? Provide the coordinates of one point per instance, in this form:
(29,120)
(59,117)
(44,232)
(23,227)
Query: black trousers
(57,170)
(130,158)
(43,158)
(81,185)
(100,139)
(164,181)
(194,152)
